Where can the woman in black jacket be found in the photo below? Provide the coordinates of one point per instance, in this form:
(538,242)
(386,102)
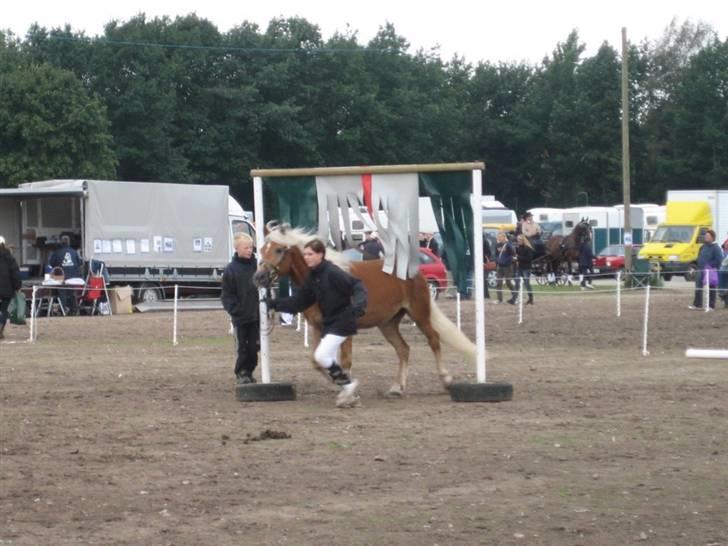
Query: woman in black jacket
(9,282)
(524,255)
(342,299)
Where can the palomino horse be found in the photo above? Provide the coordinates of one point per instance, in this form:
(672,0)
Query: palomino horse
(566,249)
(389,299)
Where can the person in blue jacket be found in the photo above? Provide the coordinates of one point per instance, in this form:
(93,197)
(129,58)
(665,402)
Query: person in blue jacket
(709,256)
(586,264)
(70,262)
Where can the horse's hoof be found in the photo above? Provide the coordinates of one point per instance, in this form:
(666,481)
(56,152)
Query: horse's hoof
(447,381)
(395,392)
(348,397)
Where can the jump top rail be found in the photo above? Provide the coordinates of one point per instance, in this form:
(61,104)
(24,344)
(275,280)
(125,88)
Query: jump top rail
(372,169)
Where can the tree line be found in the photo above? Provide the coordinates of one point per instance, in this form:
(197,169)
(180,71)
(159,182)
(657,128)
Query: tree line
(177,100)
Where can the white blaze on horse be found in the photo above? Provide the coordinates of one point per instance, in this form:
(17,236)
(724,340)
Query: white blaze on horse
(389,300)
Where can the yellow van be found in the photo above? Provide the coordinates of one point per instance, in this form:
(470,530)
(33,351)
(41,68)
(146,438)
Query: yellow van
(676,242)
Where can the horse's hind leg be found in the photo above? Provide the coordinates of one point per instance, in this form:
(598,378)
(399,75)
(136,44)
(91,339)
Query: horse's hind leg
(420,313)
(390,331)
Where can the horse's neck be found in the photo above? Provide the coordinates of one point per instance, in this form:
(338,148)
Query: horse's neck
(299,270)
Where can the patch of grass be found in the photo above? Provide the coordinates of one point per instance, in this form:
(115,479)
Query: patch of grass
(339,445)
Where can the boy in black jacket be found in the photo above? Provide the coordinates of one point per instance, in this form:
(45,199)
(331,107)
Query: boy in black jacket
(240,300)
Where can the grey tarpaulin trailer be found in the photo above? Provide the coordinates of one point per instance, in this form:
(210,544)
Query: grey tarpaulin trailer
(150,235)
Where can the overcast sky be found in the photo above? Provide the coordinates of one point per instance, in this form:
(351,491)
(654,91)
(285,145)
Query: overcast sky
(509,30)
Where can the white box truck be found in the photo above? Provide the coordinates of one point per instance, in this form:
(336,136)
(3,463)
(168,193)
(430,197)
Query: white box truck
(149,235)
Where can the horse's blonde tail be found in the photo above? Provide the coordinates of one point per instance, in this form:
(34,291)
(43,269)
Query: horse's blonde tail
(450,335)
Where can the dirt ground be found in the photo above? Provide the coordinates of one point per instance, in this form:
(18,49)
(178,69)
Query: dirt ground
(109,435)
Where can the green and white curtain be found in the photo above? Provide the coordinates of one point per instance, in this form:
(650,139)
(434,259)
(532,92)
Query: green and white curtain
(326,204)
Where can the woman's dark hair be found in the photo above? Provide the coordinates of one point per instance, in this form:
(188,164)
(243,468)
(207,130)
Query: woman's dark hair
(712,233)
(317,246)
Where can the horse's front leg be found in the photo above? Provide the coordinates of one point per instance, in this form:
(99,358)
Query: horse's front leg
(346,350)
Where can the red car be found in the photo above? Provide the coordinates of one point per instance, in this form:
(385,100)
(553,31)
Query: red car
(611,259)
(431,267)
(434,271)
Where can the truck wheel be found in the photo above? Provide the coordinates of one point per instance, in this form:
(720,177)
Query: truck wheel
(692,273)
(433,286)
(149,294)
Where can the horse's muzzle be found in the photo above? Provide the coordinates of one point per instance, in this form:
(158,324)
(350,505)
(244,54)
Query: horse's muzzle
(263,278)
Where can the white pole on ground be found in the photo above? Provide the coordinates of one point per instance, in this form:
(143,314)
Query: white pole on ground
(619,293)
(707,353)
(31,337)
(174,320)
(305,333)
(478,276)
(457,308)
(262,307)
(645,352)
(520,299)
(298,322)
(706,290)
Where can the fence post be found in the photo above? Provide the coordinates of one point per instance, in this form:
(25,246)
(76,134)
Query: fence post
(305,333)
(619,294)
(31,337)
(174,320)
(706,290)
(645,352)
(520,282)
(457,308)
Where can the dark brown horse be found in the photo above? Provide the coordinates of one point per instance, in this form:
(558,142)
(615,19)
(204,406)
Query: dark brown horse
(562,250)
(389,300)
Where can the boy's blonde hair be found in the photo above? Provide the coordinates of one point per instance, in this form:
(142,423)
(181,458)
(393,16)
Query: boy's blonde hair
(242,237)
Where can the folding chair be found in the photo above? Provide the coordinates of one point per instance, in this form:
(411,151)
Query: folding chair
(94,288)
(641,273)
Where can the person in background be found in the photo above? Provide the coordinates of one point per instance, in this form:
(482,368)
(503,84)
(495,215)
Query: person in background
(342,299)
(709,256)
(10,282)
(372,248)
(524,255)
(487,257)
(723,275)
(240,299)
(586,264)
(504,254)
(68,259)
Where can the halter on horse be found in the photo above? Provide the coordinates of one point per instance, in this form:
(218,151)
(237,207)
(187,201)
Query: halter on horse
(389,300)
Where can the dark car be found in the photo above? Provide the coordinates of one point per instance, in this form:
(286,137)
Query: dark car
(611,260)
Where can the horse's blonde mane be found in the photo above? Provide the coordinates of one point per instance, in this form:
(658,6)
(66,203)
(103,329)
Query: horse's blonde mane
(298,237)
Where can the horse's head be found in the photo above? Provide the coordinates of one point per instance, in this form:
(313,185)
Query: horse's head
(582,230)
(275,258)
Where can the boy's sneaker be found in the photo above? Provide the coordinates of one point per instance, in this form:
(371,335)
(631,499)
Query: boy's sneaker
(692,307)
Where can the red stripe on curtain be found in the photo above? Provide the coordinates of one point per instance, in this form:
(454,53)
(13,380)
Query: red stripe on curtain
(366,185)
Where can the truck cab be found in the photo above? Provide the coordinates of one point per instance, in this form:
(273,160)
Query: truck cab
(676,243)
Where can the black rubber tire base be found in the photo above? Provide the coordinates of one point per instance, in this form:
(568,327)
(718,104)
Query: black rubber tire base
(481,392)
(265,392)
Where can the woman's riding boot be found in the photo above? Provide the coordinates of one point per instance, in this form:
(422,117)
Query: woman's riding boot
(530,300)
(338,375)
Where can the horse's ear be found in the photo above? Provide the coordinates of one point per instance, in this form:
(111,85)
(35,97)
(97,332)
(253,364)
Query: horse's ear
(270,225)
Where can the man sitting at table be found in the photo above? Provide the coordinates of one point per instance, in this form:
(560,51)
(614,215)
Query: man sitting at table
(68,259)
